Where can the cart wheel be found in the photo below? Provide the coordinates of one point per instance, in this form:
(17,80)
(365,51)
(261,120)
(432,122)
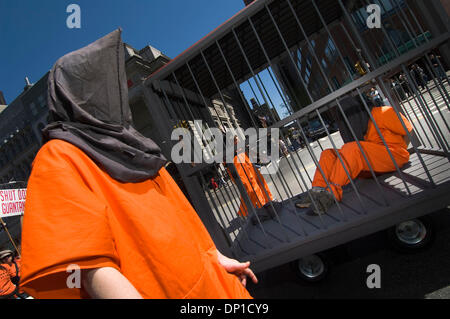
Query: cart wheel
(412,235)
(311,268)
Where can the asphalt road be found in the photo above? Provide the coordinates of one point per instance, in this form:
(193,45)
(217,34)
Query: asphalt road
(425,274)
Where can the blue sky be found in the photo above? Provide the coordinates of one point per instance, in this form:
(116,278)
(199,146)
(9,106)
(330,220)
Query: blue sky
(34,34)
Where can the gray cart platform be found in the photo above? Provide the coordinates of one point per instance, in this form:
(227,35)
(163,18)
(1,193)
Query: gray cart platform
(301,234)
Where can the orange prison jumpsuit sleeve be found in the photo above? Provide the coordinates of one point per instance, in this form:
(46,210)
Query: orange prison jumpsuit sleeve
(64,223)
(379,158)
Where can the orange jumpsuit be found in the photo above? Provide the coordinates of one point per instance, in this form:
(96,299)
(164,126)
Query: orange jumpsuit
(254,183)
(393,133)
(75,213)
(6,286)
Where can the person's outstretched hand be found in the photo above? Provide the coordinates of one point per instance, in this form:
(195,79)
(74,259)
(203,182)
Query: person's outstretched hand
(240,270)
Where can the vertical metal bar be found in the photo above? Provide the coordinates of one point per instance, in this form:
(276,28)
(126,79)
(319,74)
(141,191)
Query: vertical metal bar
(199,129)
(384,141)
(221,96)
(249,66)
(331,89)
(218,213)
(424,110)
(440,82)
(332,39)
(243,99)
(170,102)
(343,163)
(215,206)
(411,86)
(272,77)
(273,106)
(310,48)
(243,52)
(287,160)
(391,43)
(279,92)
(446,76)
(237,177)
(319,167)
(234,210)
(235,195)
(361,42)
(415,114)
(406,113)
(288,52)
(310,97)
(253,91)
(409,137)
(408,24)
(415,20)
(363,152)
(392,22)
(434,101)
(433,121)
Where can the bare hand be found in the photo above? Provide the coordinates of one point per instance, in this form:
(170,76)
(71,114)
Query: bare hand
(240,270)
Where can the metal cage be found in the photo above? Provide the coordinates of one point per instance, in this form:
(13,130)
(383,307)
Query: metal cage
(300,57)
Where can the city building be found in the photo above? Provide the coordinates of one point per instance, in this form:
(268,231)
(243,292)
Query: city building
(325,65)
(265,114)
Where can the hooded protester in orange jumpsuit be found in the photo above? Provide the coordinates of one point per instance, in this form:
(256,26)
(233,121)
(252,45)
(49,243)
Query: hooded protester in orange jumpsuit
(254,183)
(101,202)
(393,133)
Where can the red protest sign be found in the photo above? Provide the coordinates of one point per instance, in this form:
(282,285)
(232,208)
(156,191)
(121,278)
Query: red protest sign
(12,202)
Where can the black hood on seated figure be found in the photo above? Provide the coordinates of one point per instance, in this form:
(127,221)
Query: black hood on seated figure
(88,102)
(357,116)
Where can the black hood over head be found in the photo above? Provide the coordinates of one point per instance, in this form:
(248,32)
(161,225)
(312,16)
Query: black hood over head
(357,117)
(88,102)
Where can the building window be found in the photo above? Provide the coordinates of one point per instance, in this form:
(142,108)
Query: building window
(299,59)
(308,69)
(33,108)
(336,83)
(349,65)
(42,100)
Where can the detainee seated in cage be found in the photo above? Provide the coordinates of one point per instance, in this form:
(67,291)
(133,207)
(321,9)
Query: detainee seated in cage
(333,171)
(253,181)
(103,217)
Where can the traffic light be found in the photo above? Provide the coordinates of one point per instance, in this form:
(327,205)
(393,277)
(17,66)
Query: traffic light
(359,68)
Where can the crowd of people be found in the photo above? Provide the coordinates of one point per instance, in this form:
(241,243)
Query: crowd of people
(419,75)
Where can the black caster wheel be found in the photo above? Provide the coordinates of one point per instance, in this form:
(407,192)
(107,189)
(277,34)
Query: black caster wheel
(412,235)
(313,268)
